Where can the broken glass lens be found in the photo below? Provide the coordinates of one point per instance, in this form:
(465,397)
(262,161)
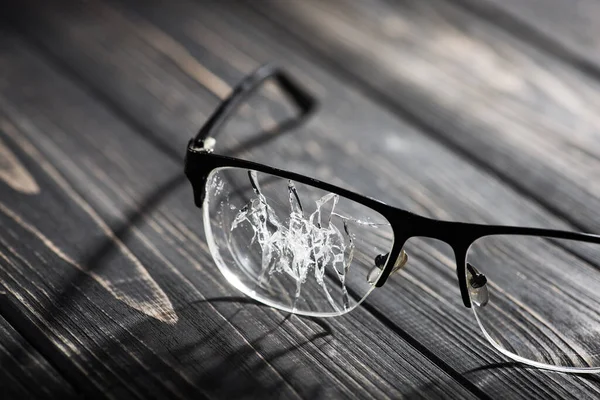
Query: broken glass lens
(293,246)
(537,299)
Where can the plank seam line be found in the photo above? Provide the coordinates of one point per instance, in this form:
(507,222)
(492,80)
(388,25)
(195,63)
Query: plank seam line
(364,87)
(458,377)
(62,68)
(524,379)
(527,34)
(386,102)
(162,146)
(112,107)
(43,345)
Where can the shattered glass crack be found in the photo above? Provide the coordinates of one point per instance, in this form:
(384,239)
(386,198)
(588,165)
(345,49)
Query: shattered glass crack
(304,244)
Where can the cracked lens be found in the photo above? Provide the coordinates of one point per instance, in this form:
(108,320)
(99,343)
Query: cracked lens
(308,246)
(307,243)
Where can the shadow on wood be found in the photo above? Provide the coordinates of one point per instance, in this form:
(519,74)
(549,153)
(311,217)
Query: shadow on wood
(216,378)
(107,247)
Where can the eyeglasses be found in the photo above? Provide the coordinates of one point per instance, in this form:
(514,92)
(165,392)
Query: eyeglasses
(311,248)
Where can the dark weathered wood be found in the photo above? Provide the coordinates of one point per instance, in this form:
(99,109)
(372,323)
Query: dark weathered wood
(567,29)
(25,373)
(371,151)
(100,251)
(528,116)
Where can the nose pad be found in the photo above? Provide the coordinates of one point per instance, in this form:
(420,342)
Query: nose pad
(380,263)
(477,284)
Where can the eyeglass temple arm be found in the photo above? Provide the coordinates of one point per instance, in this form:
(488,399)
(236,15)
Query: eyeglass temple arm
(305,102)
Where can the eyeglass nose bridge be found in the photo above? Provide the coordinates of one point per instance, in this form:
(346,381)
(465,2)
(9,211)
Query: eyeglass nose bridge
(477,285)
(380,260)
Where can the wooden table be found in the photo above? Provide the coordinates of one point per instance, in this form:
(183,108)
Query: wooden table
(469,110)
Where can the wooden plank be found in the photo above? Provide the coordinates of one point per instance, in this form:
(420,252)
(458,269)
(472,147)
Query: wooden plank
(431,179)
(135,306)
(25,373)
(567,29)
(509,107)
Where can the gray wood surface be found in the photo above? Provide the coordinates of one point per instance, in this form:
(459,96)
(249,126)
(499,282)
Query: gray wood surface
(529,117)
(25,372)
(424,106)
(136,305)
(567,29)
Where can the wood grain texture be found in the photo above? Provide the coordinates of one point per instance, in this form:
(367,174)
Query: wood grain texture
(374,152)
(567,29)
(510,108)
(96,175)
(25,373)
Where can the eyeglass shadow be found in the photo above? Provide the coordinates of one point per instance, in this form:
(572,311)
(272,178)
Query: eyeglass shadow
(123,230)
(107,246)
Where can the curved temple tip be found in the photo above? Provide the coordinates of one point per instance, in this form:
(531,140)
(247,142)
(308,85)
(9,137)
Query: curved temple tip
(295,92)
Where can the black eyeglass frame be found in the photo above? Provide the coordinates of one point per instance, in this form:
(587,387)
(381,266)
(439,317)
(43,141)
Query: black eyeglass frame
(200,161)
